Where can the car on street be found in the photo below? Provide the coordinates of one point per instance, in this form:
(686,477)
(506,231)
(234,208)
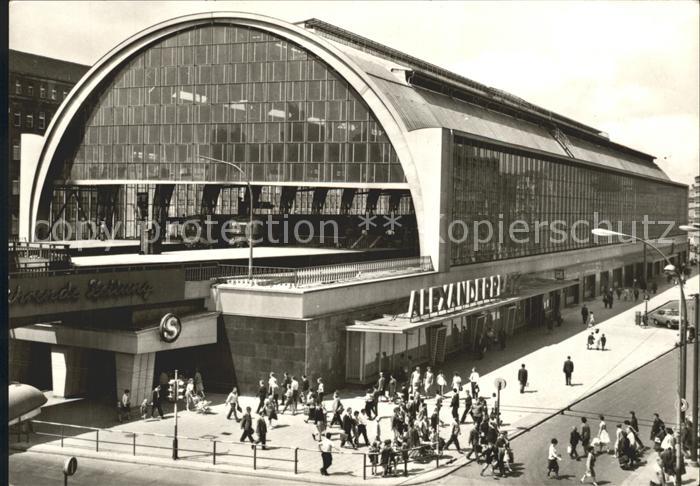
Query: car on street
(665,317)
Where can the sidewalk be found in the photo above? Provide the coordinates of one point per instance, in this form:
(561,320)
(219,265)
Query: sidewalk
(629,347)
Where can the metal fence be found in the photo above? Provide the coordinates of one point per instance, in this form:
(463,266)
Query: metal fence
(325,274)
(37,257)
(224,452)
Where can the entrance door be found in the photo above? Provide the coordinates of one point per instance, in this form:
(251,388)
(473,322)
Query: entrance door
(617,277)
(604,281)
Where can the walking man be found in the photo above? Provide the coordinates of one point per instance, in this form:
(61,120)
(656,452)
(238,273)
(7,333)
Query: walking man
(585,434)
(454,404)
(474,382)
(455,432)
(155,402)
(584,314)
(326,448)
(247,426)
(568,369)
(261,430)
(522,378)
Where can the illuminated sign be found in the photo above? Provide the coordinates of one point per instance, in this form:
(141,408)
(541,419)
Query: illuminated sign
(170,328)
(453,296)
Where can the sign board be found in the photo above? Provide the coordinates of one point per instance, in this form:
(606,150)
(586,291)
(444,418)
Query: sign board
(499,383)
(31,297)
(70,466)
(170,328)
(453,296)
(559,274)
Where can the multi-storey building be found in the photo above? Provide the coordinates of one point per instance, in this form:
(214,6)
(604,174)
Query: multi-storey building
(37,85)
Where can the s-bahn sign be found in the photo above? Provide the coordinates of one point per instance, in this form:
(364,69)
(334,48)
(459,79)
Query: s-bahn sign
(39,296)
(451,297)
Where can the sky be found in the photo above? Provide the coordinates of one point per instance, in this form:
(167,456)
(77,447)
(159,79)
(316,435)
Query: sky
(628,68)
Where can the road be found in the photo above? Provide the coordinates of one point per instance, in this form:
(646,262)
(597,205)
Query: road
(33,469)
(650,389)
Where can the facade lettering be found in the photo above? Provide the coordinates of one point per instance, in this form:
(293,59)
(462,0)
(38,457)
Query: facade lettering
(449,297)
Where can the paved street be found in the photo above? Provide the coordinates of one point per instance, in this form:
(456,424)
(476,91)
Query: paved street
(648,390)
(34,469)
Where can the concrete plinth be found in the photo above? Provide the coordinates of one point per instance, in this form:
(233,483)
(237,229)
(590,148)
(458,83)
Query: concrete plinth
(69,367)
(135,372)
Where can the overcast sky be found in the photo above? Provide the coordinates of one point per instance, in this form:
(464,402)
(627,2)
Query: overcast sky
(627,68)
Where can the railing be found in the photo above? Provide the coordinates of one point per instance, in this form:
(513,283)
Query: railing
(218,452)
(325,274)
(38,257)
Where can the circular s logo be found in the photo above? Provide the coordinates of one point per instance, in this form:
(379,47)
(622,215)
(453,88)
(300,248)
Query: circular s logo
(170,328)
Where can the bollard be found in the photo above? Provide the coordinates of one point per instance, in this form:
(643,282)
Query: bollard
(61,435)
(437,459)
(97,441)
(213,456)
(405,467)
(134,444)
(255,457)
(364,467)
(296,459)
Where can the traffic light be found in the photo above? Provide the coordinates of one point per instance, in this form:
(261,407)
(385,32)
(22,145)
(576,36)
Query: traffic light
(180,390)
(171,390)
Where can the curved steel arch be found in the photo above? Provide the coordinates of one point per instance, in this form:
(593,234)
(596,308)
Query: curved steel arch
(382,109)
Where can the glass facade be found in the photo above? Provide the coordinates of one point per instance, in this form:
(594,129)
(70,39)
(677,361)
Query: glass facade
(236,94)
(532,206)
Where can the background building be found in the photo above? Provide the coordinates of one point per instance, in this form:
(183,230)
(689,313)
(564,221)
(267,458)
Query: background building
(37,86)
(694,214)
(326,126)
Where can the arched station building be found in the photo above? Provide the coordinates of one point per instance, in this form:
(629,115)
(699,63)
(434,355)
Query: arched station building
(326,125)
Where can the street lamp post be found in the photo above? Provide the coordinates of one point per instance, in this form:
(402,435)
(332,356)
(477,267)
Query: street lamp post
(250,212)
(696,365)
(682,364)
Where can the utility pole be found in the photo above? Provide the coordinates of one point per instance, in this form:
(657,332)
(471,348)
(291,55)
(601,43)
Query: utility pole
(176,390)
(696,365)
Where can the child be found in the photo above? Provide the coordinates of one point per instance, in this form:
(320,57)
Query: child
(374,456)
(143,409)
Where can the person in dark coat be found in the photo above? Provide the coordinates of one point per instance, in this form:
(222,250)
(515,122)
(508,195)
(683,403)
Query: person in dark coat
(261,430)
(262,395)
(574,439)
(584,314)
(657,426)
(467,408)
(585,433)
(522,378)
(247,426)
(568,369)
(454,404)
(634,423)
(348,426)
(155,402)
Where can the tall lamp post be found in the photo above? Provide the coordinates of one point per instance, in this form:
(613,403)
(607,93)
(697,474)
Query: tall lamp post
(250,212)
(682,365)
(696,365)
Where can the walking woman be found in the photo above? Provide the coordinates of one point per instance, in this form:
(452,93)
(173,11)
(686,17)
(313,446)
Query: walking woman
(590,466)
(232,403)
(603,437)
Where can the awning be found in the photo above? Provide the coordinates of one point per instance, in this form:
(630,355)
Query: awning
(401,324)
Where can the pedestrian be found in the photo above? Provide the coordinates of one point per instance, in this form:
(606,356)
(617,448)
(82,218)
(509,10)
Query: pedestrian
(656,426)
(603,436)
(381,383)
(590,466)
(553,459)
(456,381)
(261,430)
(326,448)
(522,378)
(305,386)
(288,399)
(155,402)
(574,439)
(125,406)
(273,388)
(585,434)
(611,298)
(618,291)
(619,439)
(654,287)
(591,319)
(474,442)
(295,394)
(361,419)
(634,423)
(455,432)
(392,387)
(374,456)
(144,408)
(658,477)
(387,456)
(247,426)
(320,421)
(348,427)
(198,383)
(454,404)
(474,383)
(262,395)
(428,381)
(568,370)
(584,314)
(597,341)
(467,407)
(441,382)
(189,394)
(590,340)
(415,380)
(636,294)
(320,389)
(232,403)
(605,300)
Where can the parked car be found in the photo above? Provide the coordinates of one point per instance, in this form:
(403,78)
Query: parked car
(665,317)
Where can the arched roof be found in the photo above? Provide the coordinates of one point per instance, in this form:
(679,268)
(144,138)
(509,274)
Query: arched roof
(110,63)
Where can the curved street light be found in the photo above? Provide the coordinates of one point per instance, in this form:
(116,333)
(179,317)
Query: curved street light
(670,268)
(250,204)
